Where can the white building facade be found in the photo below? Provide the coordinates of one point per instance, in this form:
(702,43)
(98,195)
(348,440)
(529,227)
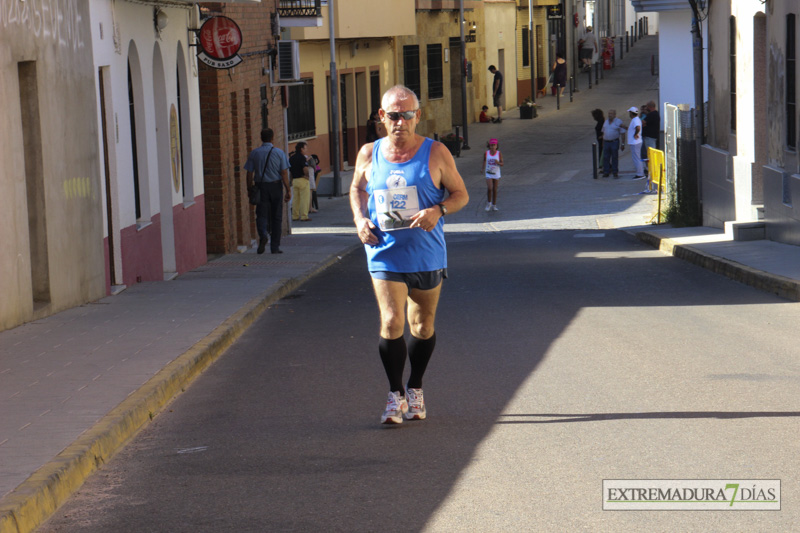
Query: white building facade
(149,140)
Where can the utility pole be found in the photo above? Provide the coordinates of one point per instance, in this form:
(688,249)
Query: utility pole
(463,75)
(531,39)
(337,178)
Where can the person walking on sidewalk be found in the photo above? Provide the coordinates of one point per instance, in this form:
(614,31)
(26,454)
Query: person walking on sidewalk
(612,135)
(399,203)
(559,74)
(588,46)
(635,142)
(492,161)
(497,92)
(301,185)
(268,167)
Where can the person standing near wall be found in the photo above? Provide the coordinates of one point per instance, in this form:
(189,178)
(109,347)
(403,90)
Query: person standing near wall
(497,92)
(301,186)
(635,142)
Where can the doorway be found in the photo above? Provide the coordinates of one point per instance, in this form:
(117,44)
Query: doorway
(114,252)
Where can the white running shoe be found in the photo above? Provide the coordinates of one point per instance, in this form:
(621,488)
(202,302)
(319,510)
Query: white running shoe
(488,207)
(416,405)
(494,208)
(396,407)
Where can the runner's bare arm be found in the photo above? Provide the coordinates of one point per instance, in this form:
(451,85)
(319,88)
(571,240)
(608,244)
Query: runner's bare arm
(444,174)
(359,196)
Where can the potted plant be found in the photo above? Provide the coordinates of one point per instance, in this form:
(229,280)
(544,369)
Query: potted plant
(453,143)
(527,109)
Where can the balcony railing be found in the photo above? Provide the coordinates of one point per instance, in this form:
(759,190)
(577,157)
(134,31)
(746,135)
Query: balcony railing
(299,8)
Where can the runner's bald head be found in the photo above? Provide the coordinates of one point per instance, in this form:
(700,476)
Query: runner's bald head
(401,92)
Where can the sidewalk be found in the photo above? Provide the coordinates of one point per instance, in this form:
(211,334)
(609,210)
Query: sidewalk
(74,387)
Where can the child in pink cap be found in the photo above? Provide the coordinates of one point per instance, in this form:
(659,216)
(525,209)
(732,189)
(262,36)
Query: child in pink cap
(492,161)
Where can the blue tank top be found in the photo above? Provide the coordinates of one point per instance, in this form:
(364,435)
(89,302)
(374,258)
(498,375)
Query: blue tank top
(397,191)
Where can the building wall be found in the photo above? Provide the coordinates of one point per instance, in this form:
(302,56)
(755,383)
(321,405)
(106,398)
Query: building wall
(168,236)
(50,191)
(730,189)
(781,179)
(675,57)
(499,48)
(355,60)
(437,27)
(523,73)
(231,117)
(358,19)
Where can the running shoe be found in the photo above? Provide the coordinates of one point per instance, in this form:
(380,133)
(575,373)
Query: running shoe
(488,207)
(416,405)
(494,207)
(396,407)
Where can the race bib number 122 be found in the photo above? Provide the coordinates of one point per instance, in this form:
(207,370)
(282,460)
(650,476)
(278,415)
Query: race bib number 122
(395,207)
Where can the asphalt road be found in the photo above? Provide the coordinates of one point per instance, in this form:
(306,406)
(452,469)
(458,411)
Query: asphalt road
(563,358)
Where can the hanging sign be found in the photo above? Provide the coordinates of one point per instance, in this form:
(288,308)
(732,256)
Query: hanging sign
(220,40)
(554,12)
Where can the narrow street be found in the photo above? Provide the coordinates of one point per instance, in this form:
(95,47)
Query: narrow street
(563,358)
(567,353)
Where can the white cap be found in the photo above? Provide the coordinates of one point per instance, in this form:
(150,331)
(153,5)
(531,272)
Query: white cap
(633,110)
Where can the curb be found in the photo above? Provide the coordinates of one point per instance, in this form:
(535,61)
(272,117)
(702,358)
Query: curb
(773,283)
(39,496)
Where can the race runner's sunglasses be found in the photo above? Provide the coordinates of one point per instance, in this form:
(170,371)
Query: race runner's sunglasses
(395,115)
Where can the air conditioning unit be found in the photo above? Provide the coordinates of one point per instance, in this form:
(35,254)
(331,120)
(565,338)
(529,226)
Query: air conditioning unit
(288,61)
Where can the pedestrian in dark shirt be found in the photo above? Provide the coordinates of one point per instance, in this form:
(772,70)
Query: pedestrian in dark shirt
(497,92)
(652,126)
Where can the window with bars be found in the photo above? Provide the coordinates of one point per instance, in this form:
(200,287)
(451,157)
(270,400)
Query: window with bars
(375,90)
(791,97)
(435,75)
(300,118)
(732,69)
(411,69)
(526,47)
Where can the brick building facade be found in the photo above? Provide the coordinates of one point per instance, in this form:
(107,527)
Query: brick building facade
(235,105)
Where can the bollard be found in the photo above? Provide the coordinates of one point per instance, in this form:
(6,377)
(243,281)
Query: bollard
(571,83)
(602,68)
(458,142)
(627,41)
(621,51)
(558,96)
(435,136)
(594,160)
(589,72)
(597,73)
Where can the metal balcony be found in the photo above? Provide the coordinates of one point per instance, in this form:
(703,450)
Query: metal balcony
(298,13)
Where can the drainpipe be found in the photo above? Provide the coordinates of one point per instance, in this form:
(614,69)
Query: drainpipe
(697,47)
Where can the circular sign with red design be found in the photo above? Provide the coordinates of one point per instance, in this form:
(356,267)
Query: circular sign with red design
(220,40)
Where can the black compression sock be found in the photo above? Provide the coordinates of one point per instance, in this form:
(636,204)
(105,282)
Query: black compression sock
(393,355)
(419,353)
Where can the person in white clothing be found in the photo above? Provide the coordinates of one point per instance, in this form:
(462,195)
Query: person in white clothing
(635,141)
(492,161)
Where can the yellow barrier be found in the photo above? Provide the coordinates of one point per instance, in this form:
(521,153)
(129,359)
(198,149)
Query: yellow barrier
(655,166)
